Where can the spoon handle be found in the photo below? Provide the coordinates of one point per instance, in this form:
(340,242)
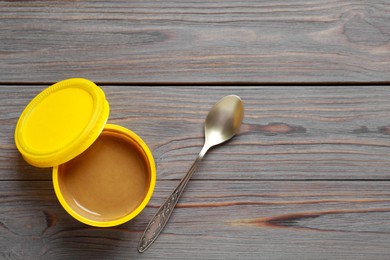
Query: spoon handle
(160,219)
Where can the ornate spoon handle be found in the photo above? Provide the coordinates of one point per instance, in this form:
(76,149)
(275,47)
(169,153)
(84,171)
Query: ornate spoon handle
(160,219)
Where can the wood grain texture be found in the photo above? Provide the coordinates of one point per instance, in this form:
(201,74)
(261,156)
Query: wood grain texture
(308,175)
(306,178)
(288,133)
(214,220)
(195,41)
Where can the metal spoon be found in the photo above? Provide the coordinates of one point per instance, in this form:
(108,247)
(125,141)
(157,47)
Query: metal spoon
(222,123)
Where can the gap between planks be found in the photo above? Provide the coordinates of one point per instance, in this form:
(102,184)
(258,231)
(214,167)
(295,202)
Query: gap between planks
(216,84)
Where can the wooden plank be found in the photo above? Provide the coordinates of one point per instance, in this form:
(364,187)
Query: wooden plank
(214,220)
(287,133)
(195,41)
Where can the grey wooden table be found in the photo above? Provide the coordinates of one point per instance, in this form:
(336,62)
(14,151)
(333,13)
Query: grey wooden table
(307,177)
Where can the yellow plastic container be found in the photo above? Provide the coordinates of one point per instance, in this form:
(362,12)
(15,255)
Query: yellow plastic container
(103,174)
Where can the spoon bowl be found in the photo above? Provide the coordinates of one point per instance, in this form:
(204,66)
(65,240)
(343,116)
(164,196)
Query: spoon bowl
(222,123)
(224,120)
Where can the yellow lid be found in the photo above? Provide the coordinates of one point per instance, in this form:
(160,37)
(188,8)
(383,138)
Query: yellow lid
(61,122)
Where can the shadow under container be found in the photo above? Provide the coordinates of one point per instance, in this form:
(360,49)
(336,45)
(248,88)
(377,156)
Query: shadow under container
(103,174)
